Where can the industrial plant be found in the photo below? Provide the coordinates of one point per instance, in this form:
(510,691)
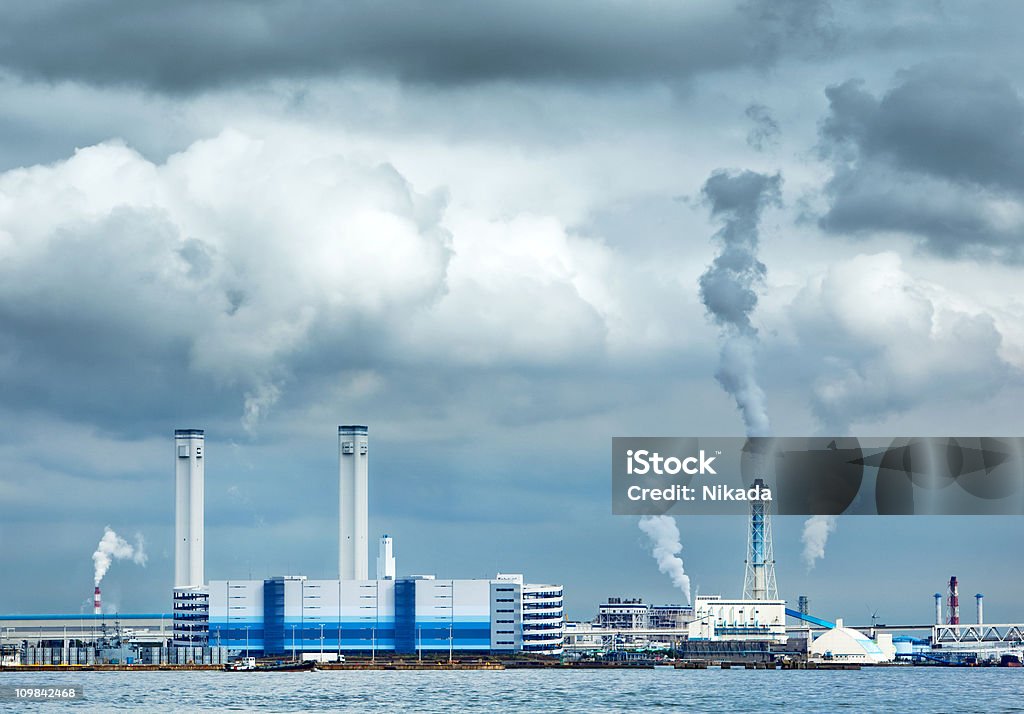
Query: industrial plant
(413,616)
(291,615)
(760,628)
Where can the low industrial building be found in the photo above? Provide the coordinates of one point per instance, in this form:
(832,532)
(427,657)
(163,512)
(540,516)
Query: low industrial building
(717,619)
(846,645)
(54,630)
(291,615)
(634,614)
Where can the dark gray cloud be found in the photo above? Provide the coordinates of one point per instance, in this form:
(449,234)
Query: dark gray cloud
(191,45)
(939,156)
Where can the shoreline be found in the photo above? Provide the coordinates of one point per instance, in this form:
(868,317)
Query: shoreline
(491,666)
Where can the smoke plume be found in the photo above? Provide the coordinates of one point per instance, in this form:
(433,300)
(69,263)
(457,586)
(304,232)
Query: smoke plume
(257,403)
(664,535)
(727,287)
(113,547)
(815,536)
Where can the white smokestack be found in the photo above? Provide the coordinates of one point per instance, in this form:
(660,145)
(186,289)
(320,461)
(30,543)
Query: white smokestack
(113,547)
(353,503)
(386,559)
(189,505)
(815,536)
(664,535)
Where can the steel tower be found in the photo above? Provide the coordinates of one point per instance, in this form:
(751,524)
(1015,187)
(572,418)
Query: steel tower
(759,582)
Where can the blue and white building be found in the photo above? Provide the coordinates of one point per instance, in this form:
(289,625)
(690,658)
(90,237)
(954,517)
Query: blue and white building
(292,615)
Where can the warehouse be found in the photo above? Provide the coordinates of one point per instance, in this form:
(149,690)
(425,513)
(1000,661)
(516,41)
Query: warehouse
(844,644)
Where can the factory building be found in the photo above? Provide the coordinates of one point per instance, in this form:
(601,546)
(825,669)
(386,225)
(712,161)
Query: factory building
(634,614)
(622,613)
(669,617)
(543,616)
(292,615)
(715,618)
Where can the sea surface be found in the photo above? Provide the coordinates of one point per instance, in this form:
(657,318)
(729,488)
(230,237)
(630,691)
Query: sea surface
(911,689)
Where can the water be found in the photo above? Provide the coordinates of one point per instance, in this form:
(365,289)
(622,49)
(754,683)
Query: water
(918,689)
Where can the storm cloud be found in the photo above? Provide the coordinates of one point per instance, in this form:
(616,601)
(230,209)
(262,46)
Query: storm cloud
(939,156)
(193,45)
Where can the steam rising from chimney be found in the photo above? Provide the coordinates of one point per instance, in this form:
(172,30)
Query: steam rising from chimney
(113,547)
(815,536)
(664,535)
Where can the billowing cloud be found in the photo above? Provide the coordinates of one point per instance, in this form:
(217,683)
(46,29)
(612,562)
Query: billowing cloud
(939,157)
(223,261)
(888,341)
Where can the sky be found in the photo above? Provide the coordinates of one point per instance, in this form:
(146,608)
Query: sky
(481,229)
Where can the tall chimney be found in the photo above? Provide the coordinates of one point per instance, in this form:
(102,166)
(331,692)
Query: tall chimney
(353,503)
(981,614)
(954,602)
(938,608)
(97,607)
(189,480)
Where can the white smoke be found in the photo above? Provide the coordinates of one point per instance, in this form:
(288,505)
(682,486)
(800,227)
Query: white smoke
(738,361)
(257,403)
(664,535)
(815,537)
(113,547)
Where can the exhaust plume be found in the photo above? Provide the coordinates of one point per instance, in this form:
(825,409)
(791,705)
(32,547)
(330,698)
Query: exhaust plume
(815,536)
(727,287)
(113,547)
(258,403)
(664,535)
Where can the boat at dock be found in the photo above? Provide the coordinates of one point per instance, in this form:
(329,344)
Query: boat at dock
(249,664)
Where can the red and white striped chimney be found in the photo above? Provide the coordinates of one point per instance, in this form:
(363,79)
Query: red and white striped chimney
(96,606)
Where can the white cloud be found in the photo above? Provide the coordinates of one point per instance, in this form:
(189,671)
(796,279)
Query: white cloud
(235,248)
(888,341)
